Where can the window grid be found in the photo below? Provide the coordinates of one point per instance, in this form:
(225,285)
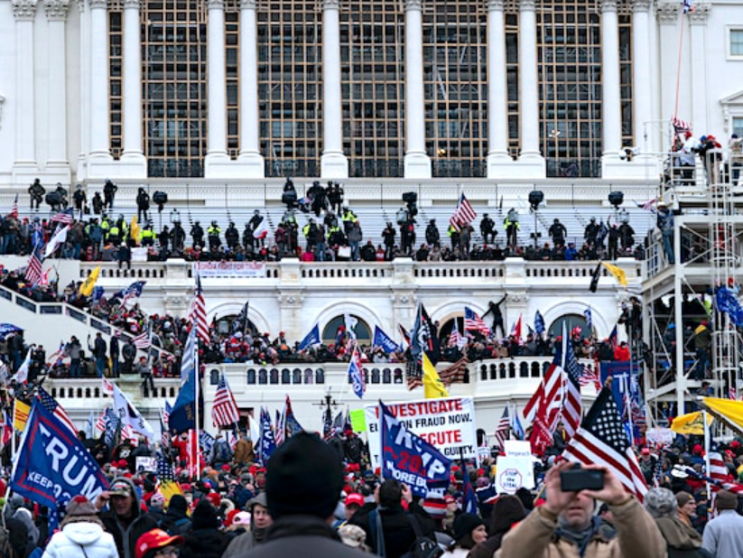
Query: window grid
(736,42)
(115,79)
(625,75)
(569,66)
(290,86)
(372,83)
(174,43)
(232,57)
(455,82)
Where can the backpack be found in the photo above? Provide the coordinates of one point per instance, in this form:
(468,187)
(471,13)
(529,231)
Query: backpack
(422,547)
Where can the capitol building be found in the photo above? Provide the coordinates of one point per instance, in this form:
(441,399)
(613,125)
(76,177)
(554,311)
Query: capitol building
(216,102)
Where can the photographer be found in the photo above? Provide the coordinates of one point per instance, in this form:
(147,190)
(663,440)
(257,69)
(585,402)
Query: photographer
(565,525)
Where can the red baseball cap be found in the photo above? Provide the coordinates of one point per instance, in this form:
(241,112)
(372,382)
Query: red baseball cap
(152,540)
(354,499)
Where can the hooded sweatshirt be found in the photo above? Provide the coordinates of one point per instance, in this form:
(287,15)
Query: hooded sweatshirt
(126,535)
(81,540)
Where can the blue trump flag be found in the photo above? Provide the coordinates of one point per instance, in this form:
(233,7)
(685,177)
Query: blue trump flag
(621,377)
(589,320)
(409,458)
(183,415)
(356,375)
(267,444)
(52,465)
(312,338)
(6,329)
(469,498)
(381,339)
(727,302)
(539,323)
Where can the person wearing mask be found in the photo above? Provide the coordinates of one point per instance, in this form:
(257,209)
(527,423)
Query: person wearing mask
(565,525)
(81,534)
(260,521)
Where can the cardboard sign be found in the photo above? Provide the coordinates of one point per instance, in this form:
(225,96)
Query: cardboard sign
(448,424)
(514,473)
(517,448)
(660,436)
(358,420)
(148,464)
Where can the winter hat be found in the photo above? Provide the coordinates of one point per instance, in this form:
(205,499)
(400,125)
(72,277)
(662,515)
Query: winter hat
(435,505)
(205,516)
(80,509)
(304,477)
(241,518)
(178,503)
(683,498)
(465,523)
(661,502)
(726,500)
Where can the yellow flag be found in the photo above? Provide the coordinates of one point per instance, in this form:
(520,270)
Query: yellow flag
(617,272)
(690,423)
(726,410)
(20,415)
(170,489)
(86,289)
(134,229)
(433,387)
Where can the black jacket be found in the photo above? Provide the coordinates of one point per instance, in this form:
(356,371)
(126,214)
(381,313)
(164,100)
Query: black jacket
(126,537)
(305,536)
(399,534)
(204,543)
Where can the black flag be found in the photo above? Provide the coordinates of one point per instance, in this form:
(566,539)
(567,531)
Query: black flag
(595,278)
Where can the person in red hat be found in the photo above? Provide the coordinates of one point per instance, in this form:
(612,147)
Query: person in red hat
(158,544)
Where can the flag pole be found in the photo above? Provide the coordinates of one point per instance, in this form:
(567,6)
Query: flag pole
(197,381)
(706,456)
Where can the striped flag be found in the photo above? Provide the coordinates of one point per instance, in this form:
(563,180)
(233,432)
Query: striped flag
(14,208)
(681,126)
(51,405)
(188,359)
(33,269)
(501,431)
(719,474)
(198,312)
(614,339)
(142,341)
(572,404)
(103,420)
(63,217)
(107,387)
(224,410)
(463,215)
(413,374)
(732,394)
(648,205)
(280,434)
(590,376)
(473,322)
(455,338)
(601,439)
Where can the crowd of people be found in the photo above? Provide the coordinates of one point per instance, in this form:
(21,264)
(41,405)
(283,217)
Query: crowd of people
(315,495)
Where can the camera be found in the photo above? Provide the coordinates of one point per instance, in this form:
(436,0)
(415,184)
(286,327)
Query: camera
(160,198)
(410,197)
(577,479)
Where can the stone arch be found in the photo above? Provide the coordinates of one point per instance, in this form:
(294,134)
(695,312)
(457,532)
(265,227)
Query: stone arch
(565,307)
(234,308)
(333,310)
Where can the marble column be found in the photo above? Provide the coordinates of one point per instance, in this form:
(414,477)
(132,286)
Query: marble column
(250,150)
(668,18)
(611,105)
(531,156)
(417,161)
(99,109)
(25,166)
(333,163)
(216,153)
(132,73)
(57,164)
(698,35)
(642,100)
(497,91)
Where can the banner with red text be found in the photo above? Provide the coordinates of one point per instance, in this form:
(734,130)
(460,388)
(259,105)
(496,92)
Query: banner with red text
(236,270)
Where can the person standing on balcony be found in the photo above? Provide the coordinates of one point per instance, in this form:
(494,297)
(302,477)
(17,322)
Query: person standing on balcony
(113,351)
(487,229)
(36,191)
(511,225)
(494,309)
(74,350)
(98,350)
(143,205)
(388,235)
(109,193)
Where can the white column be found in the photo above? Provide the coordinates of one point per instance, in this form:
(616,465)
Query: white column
(529,91)
(417,162)
(641,76)
(25,125)
(698,31)
(250,147)
(333,162)
(133,162)
(57,167)
(100,156)
(216,154)
(497,92)
(668,18)
(611,106)
(83,124)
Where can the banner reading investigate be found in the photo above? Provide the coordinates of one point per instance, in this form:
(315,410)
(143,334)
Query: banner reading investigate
(448,424)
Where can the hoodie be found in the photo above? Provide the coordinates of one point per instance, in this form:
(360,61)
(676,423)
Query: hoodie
(125,535)
(81,540)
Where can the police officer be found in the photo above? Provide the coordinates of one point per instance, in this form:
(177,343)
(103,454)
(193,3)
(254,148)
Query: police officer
(212,234)
(310,231)
(197,234)
(36,191)
(317,195)
(147,236)
(334,193)
(97,203)
(348,217)
(511,225)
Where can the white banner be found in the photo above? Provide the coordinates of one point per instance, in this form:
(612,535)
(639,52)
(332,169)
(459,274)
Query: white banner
(448,424)
(513,473)
(660,436)
(230,269)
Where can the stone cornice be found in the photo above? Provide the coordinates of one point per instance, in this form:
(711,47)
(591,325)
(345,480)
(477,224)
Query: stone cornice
(668,13)
(641,5)
(497,5)
(248,4)
(215,5)
(413,4)
(131,4)
(700,15)
(330,4)
(24,9)
(608,5)
(528,4)
(56,10)
(98,4)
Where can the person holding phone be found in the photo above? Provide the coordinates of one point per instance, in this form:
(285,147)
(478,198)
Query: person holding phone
(566,526)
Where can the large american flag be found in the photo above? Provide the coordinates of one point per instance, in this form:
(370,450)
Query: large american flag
(224,409)
(572,403)
(142,341)
(720,475)
(51,405)
(33,269)
(14,208)
(549,396)
(473,322)
(455,338)
(501,431)
(198,312)
(602,440)
(463,215)
(64,217)
(413,374)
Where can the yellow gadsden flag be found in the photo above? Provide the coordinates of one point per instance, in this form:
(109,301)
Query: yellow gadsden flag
(726,410)
(86,289)
(134,230)
(20,415)
(433,387)
(617,272)
(690,423)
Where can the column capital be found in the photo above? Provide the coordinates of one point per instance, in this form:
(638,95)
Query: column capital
(641,5)
(700,15)
(496,5)
(248,4)
(608,6)
(98,4)
(668,12)
(215,5)
(331,4)
(527,4)
(24,9)
(132,4)
(413,4)
(56,10)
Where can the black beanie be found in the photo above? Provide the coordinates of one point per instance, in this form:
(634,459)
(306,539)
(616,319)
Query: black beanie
(204,516)
(304,477)
(464,524)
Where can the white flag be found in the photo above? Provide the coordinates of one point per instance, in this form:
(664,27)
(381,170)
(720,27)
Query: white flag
(21,375)
(60,237)
(130,415)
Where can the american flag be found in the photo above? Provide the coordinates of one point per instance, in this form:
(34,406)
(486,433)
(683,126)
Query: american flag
(501,431)
(224,409)
(590,376)
(601,439)
(456,373)
(614,339)
(681,126)
(165,471)
(413,374)
(455,338)
(648,205)
(107,387)
(572,404)
(463,215)
(49,403)
(33,269)
(548,399)
(14,208)
(142,341)
(103,420)
(132,291)
(64,217)
(198,312)
(473,322)
(188,359)
(280,434)
(719,475)
(166,413)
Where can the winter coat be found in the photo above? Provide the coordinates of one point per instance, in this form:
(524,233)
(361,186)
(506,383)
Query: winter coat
(723,536)
(398,530)
(126,537)
(204,543)
(244,451)
(637,537)
(81,540)
(683,541)
(305,536)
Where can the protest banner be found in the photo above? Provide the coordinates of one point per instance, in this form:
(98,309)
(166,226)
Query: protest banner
(235,270)
(514,473)
(448,424)
(148,464)
(660,436)
(358,420)
(518,448)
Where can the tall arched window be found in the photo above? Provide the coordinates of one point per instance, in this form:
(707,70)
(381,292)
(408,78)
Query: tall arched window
(361,329)
(572,321)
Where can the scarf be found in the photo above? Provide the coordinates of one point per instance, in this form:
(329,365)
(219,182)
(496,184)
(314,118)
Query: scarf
(579,537)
